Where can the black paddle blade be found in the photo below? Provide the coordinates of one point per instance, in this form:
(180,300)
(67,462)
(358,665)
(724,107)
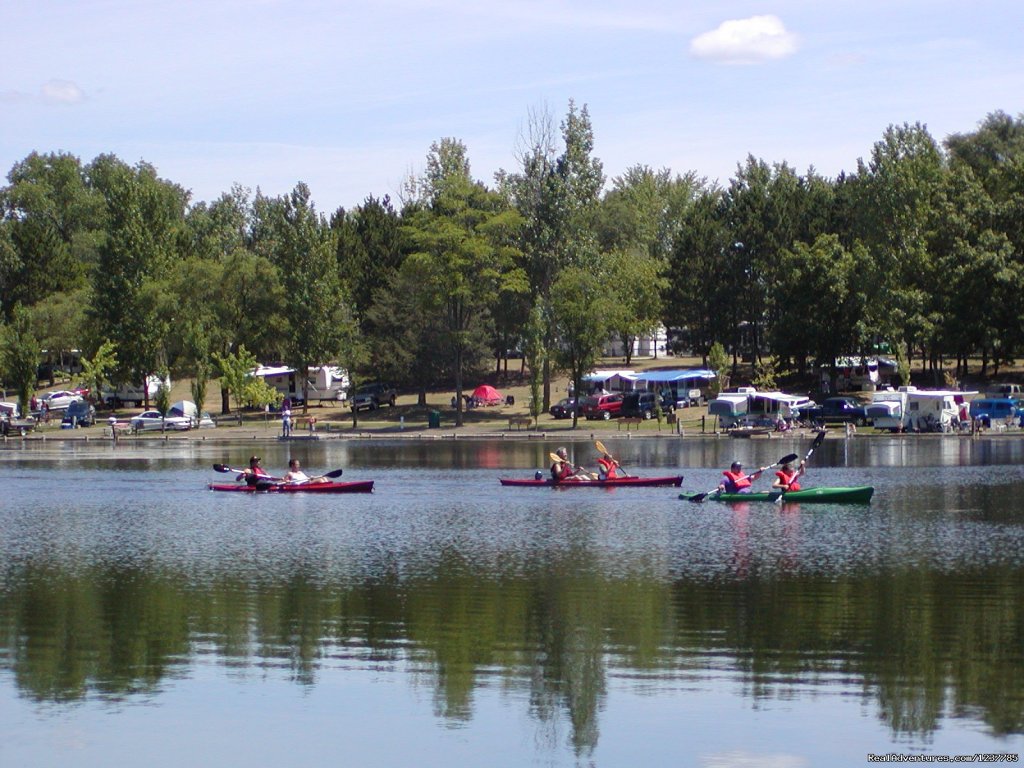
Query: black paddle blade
(222,468)
(787,458)
(335,473)
(818,440)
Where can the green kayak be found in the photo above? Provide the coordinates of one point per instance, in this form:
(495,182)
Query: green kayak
(849,495)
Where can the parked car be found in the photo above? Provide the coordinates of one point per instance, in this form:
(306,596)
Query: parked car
(836,409)
(372,396)
(150,420)
(59,399)
(641,405)
(564,408)
(79,413)
(1001,410)
(603,406)
(205,421)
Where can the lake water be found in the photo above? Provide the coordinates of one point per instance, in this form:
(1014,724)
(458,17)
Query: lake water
(446,621)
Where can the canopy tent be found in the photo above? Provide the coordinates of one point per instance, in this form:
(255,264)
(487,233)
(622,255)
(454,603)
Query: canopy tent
(485,394)
(678,375)
(609,381)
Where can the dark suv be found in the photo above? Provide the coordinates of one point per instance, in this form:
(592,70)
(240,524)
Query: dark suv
(370,397)
(640,405)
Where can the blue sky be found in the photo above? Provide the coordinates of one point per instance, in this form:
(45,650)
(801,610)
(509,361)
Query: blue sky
(348,96)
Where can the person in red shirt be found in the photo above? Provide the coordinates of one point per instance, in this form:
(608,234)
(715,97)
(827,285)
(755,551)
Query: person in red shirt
(561,469)
(254,472)
(735,481)
(786,478)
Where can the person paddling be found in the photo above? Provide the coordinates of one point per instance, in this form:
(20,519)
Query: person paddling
(561,469)
(295,475)
(786,478)
(606,467)
(736,481)
(254,472)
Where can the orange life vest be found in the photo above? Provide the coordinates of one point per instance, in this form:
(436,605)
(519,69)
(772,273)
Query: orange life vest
(789,481)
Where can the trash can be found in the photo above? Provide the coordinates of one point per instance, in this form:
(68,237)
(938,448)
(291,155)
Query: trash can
(434,420)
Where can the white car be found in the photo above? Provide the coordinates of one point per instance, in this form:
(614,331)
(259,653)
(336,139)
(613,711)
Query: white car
(205,421)
(152,420)
(59,400)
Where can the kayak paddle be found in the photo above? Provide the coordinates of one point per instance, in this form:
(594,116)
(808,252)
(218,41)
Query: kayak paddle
(785,459)
(600,446)
(818,439)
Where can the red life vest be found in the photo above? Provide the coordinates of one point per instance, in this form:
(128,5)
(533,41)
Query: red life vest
(734,481)
(607,467)
(561,470)
(789,481)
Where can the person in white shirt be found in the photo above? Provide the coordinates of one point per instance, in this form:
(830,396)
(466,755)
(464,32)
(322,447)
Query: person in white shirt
(296,476)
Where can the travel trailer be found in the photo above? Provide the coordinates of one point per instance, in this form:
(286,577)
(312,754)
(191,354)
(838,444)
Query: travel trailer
(909,409)
(325,382)
(135,394)
(748,406)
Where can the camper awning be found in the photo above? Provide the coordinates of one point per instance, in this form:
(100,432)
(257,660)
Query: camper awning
(676,375)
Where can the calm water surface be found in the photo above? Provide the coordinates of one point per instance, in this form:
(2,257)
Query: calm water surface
(444,620)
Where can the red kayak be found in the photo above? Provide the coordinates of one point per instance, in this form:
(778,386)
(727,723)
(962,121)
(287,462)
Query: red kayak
(615,482)
(359,486)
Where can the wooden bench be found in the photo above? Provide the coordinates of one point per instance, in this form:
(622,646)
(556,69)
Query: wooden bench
(117,428)
(630,421)
(519,422)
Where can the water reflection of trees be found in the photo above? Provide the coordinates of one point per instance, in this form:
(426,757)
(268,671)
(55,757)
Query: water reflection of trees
(923,645)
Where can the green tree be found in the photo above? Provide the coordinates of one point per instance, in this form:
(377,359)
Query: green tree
(236,371)
(558,199)
(898,196)
(463,258)
(132,306)
(825,291)
(580,308)
(306,257)
(97,370)
(19,355)
(55,221)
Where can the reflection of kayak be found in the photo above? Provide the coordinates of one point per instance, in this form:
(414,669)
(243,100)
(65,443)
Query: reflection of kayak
(849,495)
(359,486)
(615,482)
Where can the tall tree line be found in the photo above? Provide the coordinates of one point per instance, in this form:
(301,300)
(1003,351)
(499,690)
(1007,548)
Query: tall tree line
(919,250)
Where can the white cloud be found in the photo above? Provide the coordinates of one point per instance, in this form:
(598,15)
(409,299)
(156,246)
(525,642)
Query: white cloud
(746,41)
(62,92)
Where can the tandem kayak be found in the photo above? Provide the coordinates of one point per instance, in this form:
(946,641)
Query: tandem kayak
(359,486)
(614,482)
(860,494)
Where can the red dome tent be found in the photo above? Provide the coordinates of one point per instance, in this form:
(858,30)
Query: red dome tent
(485,394)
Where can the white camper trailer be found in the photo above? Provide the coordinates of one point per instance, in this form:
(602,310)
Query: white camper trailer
(910,409)
(135,394)
(748,406)
(326,383)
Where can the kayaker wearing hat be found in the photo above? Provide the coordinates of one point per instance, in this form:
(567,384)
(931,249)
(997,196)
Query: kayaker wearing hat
(254,471)
(735,481)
